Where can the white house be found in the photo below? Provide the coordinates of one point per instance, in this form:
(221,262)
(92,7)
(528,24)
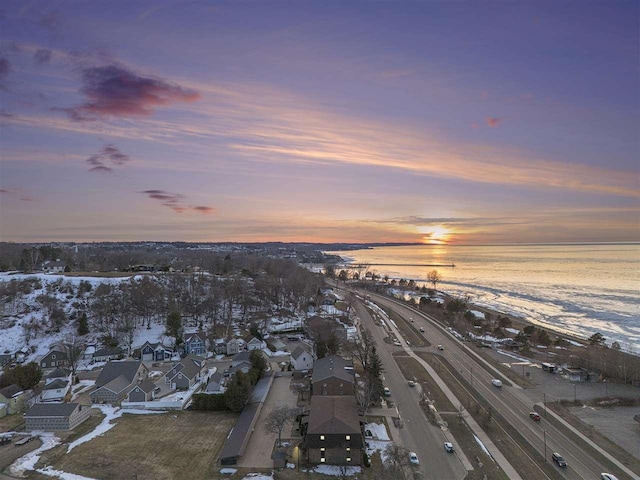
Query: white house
(301,359)
(55,391)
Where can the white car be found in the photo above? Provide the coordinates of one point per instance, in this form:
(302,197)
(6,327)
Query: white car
(387,392)
(412,383)
(448,447)
(496,383)
(440,347)
(413,458)
(608,476)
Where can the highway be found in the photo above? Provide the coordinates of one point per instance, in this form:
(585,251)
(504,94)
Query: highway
(511,403)
(417,434)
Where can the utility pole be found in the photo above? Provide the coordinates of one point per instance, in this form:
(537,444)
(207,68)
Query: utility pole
(544,402)
(544,433)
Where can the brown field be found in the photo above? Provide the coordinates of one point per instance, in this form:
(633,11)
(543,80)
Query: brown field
(158,447)
(412,370)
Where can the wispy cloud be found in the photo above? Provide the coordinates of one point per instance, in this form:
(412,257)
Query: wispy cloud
(175,201)
(109,153)
(42,56)
(493,121)
(114,91)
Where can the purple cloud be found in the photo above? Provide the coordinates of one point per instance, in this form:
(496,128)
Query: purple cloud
(174,201)
(5,68)
(42,56)
(108,153)
(115,91)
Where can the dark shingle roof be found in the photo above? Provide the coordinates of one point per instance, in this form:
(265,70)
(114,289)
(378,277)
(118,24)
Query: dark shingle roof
(331,366)
(10,391)
(59,373)
(241,357)
(104,352)
(330,415)
(298,351)
(113,370)
(146,386)
(59,383)
(192,367)
(51,410)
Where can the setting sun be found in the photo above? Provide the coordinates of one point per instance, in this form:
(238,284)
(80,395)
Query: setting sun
(435,234)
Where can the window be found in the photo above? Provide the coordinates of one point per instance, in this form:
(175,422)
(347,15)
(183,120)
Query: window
(348,449)
(348,459)
(322,449)
(322,460)
(321,437)
(348,437)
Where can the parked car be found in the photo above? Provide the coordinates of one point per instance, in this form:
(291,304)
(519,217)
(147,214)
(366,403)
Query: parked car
(535,416)
(559,460)
(412,383)
(440,347)
(411,319)
(422,329)
(387,392)
(496,383)
(608,476)
(413,458)
(448,447)
(397,343)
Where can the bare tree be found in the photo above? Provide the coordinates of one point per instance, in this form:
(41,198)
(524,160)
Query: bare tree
(278,419)
(434,277)
(398,462)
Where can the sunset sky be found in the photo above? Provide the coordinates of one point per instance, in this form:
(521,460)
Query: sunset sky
(355,121)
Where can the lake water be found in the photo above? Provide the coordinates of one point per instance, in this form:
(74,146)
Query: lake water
(580,289)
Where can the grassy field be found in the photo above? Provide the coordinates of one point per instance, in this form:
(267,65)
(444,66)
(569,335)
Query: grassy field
(412,370)
(158,447)
(11,423)
(410,332)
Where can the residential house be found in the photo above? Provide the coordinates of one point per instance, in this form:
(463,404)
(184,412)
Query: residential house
(216,384)
(59,373)
(332,375)
(252,343)
(52,417)
(220,347)
(55,358)
(301,359)
(243,367)
(242,357)
(234,345)
(155,352)
(107,354)
(143,392)
(333,431)
(186,373)
(277,345)
(89,352)
(13,397)
(54,267)
(196,343)
(116,380)
(55,391)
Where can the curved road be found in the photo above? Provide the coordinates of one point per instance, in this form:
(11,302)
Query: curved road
(511,402)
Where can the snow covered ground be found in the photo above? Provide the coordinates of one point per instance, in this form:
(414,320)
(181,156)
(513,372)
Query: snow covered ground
(28,461)
(378,431)
(337,471)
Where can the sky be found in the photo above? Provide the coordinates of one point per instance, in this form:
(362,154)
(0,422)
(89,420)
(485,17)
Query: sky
(334,121)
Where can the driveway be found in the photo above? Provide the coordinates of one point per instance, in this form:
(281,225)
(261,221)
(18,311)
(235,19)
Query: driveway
(260,446)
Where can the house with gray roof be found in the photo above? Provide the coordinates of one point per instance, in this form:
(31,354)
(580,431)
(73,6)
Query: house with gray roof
(196,343)
(59,373)
(332,375)
(52,417)
(55,391)
(13,397)
(333,432)
(234,345)
(155,352)
(143,392)
(116,380)
(216,384)
(55,358)
(241,357)
(186,373)
(301,358)
(107,353)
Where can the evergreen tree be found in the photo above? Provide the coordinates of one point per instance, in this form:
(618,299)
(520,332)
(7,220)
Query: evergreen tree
(83,325)
(258,362)
(375,370)
(237,392)
(174,325)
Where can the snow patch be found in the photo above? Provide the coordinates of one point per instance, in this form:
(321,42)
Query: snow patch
(484,449)
(28,461)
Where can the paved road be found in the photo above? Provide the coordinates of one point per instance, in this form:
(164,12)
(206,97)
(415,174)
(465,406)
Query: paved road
(512,402)
(260,446)
(417,435)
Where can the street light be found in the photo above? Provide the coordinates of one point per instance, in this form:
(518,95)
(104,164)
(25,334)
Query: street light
(544,433)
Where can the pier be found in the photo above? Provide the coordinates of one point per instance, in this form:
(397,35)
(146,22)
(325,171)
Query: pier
(442,265)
